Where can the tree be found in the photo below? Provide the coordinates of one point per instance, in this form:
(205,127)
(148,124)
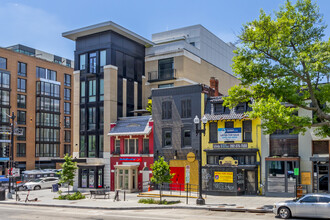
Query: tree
(161,174)
(149,106)
(68,171)
(281,61)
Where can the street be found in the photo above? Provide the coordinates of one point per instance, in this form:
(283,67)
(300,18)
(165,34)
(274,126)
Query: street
(35,212)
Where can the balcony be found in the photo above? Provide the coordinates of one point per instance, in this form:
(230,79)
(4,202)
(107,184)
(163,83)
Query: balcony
(165,74)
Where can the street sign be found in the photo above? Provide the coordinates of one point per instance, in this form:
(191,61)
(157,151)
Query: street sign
(187,174)
(296,171)
(3,159)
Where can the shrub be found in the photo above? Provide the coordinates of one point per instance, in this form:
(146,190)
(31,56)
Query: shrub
(163,202)
(74,196)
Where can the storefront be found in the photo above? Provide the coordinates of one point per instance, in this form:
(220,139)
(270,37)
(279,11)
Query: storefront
(280,178)
(231,172)
(91,177)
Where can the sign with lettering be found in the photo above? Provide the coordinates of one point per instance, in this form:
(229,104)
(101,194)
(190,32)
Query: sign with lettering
(229,134)
(228,161)
(223,177)
(187,174)
(130,159)
(306,178)
(218,146)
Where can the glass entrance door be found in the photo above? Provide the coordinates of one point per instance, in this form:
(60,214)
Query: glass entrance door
(321,177)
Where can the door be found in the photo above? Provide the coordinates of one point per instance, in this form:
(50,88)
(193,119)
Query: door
(250,182)
(145,180)
(305,207)
(178,179)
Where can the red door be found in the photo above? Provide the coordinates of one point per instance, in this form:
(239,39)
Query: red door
(178,179)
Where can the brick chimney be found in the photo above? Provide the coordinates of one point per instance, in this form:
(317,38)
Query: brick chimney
(214,84)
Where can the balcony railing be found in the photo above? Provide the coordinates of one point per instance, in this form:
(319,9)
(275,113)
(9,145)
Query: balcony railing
(165,74)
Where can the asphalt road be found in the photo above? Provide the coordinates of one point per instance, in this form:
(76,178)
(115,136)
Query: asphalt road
(35,212)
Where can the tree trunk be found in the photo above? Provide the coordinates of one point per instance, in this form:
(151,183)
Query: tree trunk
(160,194)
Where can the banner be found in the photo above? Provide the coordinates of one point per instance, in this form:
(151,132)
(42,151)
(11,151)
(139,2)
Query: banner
(223,177)
(229,134)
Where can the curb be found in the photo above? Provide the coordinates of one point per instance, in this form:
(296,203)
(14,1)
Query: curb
(144,207)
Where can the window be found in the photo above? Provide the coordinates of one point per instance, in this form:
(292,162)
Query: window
(247,131)
(21,150)
(21,101)
(240,108)
(283,143)
(67,136)
(101,89)
(229,124)
(82,92)
(82,146)
(82,119)
(186,108)
(92,62)
(213,132)
(67,149)
(82,63)
(167,138)
(47,135)
(46,73)
(165,69)
(48,89)
(67,108)
(212,160)
(48,104)
(3,63)
(21,117)
(91,177)
(169,85)
(186,137)
(101,146)
(167,110)
(101,117)
(91,118)
(47,150)
(91,145)
(103,57)
(21,69)
(67,80)
(47,119)
(324,199)
(309,199)
(131,146)
(67,94)
(4,80)
(67,121)
(117,146)
(4,112)
(23,136)
(4,97)
(145,146)
(21,85)
(92,91)
(218,108)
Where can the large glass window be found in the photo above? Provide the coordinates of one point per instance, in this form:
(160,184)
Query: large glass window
(67,121)
(47,135)
(23,136)
(48,89)
(21,69)
(67,149)
(21,101)
(91,118)
(101,145)
(21,85)
(46,73)
(186,108)
(145,146)
(91,145)
(47,150)
(101,117)
(82,146)
(21,150)
(167,138)
(48,104)
(186,137)
(167,110)
(131,146)
(67,136)
(282,143)
(103,57)
(67,94)
(82,63)
(4,97)
(213,132)
(82,119)
(67,80)
(3,63)
(247,131)
(101,89)
(82,92)
(21,117)
(4,112)
(4,80)
(92,62)
(92,91)
(47,119)
(67,108)
(91,177)
(165,69)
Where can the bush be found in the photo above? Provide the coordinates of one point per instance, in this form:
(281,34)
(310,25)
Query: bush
(163,202)
(74,196)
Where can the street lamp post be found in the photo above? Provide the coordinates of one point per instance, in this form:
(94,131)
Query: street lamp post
(11,156)
(200,200)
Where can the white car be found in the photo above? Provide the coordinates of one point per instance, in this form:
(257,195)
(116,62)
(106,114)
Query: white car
(41,183)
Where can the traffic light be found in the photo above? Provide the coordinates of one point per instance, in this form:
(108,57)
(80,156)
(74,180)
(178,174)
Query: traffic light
(6,151)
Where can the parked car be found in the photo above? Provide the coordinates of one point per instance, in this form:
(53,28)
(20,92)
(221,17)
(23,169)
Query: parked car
(310,205)
(41,183)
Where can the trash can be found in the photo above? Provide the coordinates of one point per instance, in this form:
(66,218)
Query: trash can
(2,194)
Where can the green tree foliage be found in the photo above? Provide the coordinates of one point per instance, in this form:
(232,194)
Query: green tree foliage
(149,106)
(68,171)
(281,60)
(161,173)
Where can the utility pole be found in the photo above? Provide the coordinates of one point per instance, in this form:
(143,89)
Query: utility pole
(11,156)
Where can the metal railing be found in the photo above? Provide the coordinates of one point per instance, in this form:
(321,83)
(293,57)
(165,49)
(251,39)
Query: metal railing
(166,74)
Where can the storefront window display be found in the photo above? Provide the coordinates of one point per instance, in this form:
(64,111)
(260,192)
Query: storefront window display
(91,177)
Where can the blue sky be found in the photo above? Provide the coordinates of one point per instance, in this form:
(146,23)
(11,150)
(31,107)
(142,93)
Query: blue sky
(40,23)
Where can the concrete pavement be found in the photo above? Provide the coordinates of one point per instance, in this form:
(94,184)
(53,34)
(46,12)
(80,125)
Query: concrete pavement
(220,203)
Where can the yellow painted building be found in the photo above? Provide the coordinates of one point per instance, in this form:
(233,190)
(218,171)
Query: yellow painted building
(231,149)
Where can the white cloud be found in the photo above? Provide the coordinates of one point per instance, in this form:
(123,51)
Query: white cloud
(33,27)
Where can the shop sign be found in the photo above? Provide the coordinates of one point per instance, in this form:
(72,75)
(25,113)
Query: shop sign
(130,159)
(223,177)
(229,134)
(306,178)
(217,146)
(191,157)
(228,161)
(187,174)
(296,171)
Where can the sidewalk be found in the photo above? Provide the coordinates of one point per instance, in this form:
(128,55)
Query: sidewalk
(216,203)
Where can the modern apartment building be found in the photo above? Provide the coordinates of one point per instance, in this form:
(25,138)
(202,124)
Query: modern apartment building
(38,90)
(186,56)
(108,76)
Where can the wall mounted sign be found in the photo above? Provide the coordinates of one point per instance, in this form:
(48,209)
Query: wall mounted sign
(130,159)
(229,134)
(191,157)
(296,171)
(217,146)
(187,174)
(306,178)
(223,177)
(228,161)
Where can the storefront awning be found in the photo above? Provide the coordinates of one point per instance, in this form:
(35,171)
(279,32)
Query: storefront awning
(319,159)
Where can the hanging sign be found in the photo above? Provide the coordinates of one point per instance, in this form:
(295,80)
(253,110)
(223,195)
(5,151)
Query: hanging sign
(229,134)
